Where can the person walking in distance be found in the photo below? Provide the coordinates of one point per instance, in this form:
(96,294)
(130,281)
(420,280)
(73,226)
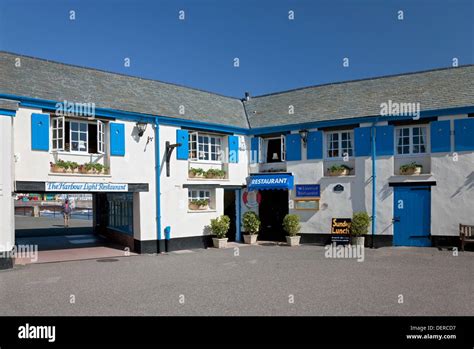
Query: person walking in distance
(66,212)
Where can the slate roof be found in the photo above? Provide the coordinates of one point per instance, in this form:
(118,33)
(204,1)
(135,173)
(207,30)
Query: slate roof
(434,89)
(43,79)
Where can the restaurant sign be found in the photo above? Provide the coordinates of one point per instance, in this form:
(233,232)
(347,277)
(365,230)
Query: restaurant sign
(308,190)
(341,230)
(85,187)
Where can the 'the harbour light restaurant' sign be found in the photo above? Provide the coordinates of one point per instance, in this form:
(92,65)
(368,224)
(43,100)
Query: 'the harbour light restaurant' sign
(341,230)
(86,187)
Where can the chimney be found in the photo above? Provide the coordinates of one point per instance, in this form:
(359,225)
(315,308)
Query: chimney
(247,96)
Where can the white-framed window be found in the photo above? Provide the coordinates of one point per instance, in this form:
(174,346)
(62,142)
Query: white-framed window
(201,199)
(411,140)
(205,147)
(273,149)
(100,137)
(78,136)
(199,194)
(339,144)
(57,125)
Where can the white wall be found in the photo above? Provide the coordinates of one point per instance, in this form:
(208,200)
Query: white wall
(174,197)
(452,198)
(7,221)
(137,166)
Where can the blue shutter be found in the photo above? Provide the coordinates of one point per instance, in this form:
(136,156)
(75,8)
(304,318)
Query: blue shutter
(233,149)
(254,150)
(40,132)
(182,137)
(384,140)
(117,139)
(362,140)
(440,136)
(464,134)
(314,145)
(293,147)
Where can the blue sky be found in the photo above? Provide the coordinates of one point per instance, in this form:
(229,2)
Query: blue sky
(275,53)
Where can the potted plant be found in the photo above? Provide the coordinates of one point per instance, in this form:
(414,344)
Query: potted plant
(98,168)
(215,173)
(89,167)
(291,224)
(220,227)
(60,166)
(339,170)
(196,173)
(251,225)
(198,204)
(73,166)
(411,169)
(55,167)
(359,227)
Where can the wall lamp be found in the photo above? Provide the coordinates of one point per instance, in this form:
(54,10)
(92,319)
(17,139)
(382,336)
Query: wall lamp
(304,136)
(141,127)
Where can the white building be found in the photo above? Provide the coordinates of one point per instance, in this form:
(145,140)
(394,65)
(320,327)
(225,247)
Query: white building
(144,146)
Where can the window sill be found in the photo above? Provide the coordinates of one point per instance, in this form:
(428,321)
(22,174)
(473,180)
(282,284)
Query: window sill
(78,174)
(78,153)
(339,177)
(420,155)
(202,211)
(210,162)
(207,179)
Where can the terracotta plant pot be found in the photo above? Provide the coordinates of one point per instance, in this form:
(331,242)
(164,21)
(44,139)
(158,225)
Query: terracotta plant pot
(195,175)
(358,240)
(56,169)
(219,243)
(293,240)
(250,239)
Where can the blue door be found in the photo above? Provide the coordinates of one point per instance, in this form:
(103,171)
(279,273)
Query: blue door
(412,216)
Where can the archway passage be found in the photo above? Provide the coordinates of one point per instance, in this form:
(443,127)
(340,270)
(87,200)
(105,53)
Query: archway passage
(40,226)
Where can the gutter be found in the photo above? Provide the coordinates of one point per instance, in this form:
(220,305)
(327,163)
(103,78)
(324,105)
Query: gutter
(374,180)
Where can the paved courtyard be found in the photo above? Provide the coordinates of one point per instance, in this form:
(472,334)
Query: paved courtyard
(260,280)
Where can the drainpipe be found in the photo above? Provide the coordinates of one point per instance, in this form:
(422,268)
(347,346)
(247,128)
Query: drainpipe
(374,179)
(157,186)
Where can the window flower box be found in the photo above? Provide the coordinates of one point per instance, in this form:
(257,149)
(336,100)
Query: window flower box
(411,169)
(196,173)
(198,205)
(64,167)
(215,174)
(339,170)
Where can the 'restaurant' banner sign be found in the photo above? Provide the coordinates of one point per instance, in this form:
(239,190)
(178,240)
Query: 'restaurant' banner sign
(341,230)
(81,187)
